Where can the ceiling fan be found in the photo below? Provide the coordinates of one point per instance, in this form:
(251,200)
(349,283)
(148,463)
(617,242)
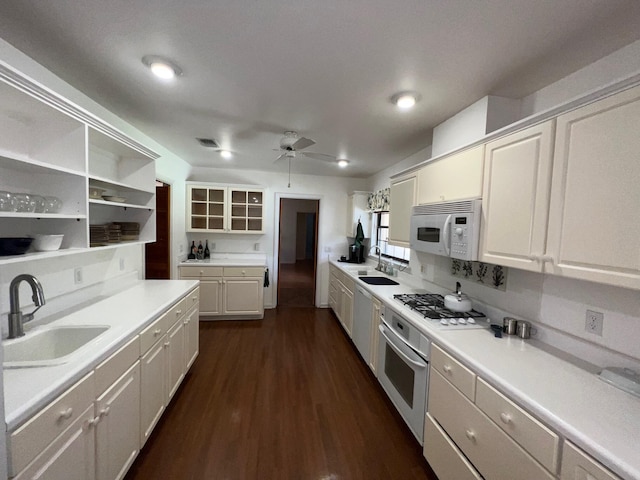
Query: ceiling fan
(291,146)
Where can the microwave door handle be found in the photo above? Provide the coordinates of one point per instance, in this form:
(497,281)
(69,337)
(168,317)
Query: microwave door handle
(447,245)
(400,352)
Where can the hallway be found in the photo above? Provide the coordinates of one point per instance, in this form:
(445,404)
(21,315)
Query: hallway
(297,288)
(286,397)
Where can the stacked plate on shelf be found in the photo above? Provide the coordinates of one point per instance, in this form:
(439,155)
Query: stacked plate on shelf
(130,231)
(98,235)
(115,235)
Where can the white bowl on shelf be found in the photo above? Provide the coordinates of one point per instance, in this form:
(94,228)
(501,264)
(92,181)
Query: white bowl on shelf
(114,198)
(95,193)
(47,243)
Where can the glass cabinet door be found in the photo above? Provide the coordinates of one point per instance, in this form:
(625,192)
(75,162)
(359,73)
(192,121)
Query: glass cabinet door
(246,210)
(207,207)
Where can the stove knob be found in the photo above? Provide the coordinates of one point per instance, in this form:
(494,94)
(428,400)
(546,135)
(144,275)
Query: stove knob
(453,321)
(462,321)
(470,321)
(444,321)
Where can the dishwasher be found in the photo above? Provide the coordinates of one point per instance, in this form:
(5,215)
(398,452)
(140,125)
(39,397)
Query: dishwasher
(362,312)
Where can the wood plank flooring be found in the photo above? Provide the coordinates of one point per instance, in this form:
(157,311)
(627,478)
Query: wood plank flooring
(286,397)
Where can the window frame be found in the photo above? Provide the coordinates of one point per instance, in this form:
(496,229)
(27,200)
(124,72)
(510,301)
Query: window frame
(377,217)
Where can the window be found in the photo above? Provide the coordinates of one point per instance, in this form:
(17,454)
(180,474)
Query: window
(381,228)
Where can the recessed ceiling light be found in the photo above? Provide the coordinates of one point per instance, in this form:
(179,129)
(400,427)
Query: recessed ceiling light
(405,100)
(161,67)
(226,154)
(342,163)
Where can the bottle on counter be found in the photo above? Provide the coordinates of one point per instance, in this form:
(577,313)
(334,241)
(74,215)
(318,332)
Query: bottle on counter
(192,251)
(200,251)
(207,253)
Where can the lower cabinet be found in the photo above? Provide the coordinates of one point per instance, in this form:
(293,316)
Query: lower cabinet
(577,465)
(96,428)
(228,292)
(341,289)
(377,312)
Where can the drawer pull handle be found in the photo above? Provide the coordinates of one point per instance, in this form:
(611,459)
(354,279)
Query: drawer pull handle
(178,312)
(93,422)
(447,368)
(157,332)
(186,322)
(166,344)
(470,435)
(65,414)
(505,417)
(104,412)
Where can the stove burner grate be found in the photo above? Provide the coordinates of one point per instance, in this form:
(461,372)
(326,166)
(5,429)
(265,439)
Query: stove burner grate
(431,305)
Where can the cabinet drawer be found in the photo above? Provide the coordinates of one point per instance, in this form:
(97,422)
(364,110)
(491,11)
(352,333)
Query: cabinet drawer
(490,450)
(193,298)
(349,283)
(532,435)
(152,334)
(243,271)
(577,465)
(32,438)
(199,271)
(176,312)
(446,460)
(459,375)
(118,363)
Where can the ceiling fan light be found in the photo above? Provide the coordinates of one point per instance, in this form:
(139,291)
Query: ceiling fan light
(226,154)
(342,163)
(405,100)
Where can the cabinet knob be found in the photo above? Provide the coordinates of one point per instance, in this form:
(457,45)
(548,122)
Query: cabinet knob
(104,412)
(547,258)
(243,272)
(535,257)
(505,417)
(447,368)
(65,414)
(157,332)
(166,344)
(470,434)
(93,422)
(201,272)
(178,313)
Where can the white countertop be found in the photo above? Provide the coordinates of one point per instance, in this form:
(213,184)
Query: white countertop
(27,390)
(601,419)
(230,260)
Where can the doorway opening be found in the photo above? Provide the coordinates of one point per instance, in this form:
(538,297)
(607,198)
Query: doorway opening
(297,252)
(157,255)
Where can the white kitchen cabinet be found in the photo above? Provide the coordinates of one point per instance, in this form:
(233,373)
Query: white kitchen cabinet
(49,153)
(577,465)
(228,292)
(153,381)
(593,228)
(402,198)
(118,426)
(191,338)
(376,313)
(343,286)
(358,210)
(175,353)
(455,177)
(226,209)
(515,201)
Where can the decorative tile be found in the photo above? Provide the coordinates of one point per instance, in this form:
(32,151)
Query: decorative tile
(494,276)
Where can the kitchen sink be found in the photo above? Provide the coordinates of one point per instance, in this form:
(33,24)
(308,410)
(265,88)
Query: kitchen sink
(378,280)
(48,346)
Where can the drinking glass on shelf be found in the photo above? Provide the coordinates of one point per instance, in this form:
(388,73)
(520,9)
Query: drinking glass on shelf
(7,202)
(40,203)
(52,204)
(25,203)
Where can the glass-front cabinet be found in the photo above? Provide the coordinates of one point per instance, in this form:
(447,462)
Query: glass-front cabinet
(217,208)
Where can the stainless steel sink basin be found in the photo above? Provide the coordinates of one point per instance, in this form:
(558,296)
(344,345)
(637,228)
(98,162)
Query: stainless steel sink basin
(48,346)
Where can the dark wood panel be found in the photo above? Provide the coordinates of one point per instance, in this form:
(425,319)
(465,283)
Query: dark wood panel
(157,254)
(287,397)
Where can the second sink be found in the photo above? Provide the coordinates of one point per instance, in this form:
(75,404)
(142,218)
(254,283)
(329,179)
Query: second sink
(48,346)
(378,280)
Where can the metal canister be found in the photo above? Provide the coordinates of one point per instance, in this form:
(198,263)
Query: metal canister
(509,325)
(524,329)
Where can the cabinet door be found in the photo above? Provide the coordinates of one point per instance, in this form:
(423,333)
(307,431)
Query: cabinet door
(402,198)
(243,296)
(347,310)
(153,390)
(174,346)
(577,465)
(515,202)
(375,334)
(71,456)
(206,208)
(593,216)
(191,338)
(456,177)
(210,297)
(246,211)
(118,429)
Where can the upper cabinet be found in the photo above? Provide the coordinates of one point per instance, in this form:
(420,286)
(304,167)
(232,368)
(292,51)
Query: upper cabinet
(455,177)
(358,211)
(402,199)
(58,155)
(515,201)
(225,209)
(593,217)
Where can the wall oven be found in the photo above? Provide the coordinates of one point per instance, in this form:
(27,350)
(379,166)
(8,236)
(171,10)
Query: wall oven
(403,368)
(451,229)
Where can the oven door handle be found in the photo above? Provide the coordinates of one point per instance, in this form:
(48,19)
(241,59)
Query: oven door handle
(400,352)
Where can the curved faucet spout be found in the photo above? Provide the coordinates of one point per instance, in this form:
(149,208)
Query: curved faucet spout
(16,318)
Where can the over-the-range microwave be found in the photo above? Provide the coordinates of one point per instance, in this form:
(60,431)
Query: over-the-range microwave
(451,229)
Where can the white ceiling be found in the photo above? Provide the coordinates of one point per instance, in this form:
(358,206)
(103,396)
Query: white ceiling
(253,69)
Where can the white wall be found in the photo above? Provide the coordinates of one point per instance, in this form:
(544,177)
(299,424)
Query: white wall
(288,229)
(332,192)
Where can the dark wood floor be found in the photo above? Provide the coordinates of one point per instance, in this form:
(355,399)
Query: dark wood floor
(296,284)
(286,397)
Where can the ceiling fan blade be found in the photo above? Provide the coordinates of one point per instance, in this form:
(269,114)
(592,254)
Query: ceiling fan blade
(319,156)
(281,155)
(301,143)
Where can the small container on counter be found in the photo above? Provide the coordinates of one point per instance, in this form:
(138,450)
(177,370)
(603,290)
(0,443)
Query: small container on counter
(510,325)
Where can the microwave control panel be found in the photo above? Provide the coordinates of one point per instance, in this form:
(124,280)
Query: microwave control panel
(460,237)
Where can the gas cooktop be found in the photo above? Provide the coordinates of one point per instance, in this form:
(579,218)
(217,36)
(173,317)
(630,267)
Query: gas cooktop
(431,307)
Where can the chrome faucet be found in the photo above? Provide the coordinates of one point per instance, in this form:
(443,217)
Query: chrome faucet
(379,253)
(16,318)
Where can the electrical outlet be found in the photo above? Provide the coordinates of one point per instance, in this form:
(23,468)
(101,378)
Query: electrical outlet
(77,275)
(181,248)
(594,322)
(327,249)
